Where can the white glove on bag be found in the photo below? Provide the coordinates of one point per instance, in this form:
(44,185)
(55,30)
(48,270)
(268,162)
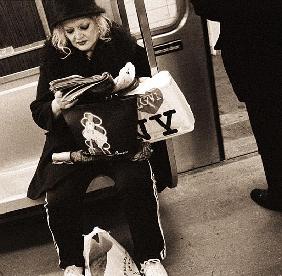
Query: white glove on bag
(125,78)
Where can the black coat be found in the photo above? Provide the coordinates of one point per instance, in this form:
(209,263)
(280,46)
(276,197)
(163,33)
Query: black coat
(108,56)
(251,44)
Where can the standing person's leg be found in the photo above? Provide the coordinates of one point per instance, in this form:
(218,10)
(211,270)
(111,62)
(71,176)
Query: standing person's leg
(265,118)
(64,206)
(136,188)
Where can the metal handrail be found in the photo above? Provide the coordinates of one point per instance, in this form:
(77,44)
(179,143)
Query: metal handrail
(24,49)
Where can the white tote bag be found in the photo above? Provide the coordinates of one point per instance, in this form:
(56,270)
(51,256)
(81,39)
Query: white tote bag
(104,256)
(163,111)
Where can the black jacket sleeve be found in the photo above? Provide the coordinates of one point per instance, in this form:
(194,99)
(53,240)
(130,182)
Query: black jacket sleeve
(41,107)
(129,50)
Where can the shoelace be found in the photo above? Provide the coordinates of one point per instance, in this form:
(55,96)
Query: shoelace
(146,263)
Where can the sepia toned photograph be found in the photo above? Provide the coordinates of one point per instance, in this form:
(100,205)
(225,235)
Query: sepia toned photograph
(141,138)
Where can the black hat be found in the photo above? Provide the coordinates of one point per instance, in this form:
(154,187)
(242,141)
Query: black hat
(60,10)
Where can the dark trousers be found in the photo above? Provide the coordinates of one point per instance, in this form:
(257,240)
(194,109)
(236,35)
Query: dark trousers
(135,185)
(266,121)
(252,82)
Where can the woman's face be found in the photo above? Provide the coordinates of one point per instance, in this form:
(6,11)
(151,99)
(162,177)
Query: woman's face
(83,33)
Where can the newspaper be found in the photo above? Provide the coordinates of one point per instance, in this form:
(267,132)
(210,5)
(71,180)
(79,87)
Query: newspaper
(104,85)
(74,86)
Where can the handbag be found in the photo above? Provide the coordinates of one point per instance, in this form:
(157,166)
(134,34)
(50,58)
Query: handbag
(163,111)
(85,89)
(105,129)
(104,256)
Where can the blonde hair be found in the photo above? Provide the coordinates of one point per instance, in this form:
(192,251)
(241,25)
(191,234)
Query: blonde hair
(59,39)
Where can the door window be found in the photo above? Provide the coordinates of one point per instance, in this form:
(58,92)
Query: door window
(20,24)
(162,14)
(22,33)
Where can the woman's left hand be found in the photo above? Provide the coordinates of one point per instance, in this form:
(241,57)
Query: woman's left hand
(58,104)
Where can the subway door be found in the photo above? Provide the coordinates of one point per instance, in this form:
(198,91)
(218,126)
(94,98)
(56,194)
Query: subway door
(184,51)
(180,40)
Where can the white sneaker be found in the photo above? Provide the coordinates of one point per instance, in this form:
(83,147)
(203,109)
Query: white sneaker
(153,267)
(73,271)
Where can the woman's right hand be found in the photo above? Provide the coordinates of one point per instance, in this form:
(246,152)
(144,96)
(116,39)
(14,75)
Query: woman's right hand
(58,104)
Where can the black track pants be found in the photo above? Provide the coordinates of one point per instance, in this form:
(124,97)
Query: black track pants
(135,185)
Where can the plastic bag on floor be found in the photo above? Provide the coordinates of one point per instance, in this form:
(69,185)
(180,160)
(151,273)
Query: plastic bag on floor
(104,256)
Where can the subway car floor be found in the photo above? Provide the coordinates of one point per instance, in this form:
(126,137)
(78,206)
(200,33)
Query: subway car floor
(212,227)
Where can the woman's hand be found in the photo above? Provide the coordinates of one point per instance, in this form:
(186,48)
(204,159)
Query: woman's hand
(58,104)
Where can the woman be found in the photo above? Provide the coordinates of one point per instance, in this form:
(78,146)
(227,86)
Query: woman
(86,43)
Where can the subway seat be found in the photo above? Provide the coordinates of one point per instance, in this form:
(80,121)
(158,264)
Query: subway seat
(21,143)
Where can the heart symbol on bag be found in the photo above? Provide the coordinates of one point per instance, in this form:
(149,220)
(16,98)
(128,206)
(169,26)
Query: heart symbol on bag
(151,101)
